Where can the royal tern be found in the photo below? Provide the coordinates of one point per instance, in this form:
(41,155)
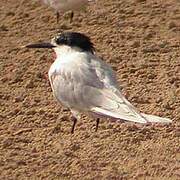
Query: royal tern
(83,82)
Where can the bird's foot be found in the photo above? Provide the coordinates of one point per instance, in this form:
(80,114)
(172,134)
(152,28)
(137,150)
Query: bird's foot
(97,124)
(74,124)
(71,16)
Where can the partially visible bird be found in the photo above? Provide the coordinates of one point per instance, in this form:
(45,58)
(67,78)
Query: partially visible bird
(83,82)
(62,6)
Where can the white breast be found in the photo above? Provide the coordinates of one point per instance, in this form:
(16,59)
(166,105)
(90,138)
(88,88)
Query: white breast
(64,79)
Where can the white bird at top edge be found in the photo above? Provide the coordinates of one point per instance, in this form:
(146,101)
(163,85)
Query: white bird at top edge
(62,6)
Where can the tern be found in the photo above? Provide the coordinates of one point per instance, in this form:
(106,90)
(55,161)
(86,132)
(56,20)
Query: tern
(84,83)
(62,6)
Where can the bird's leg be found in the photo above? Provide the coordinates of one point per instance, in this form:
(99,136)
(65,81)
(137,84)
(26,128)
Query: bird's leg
(97,124)
(71,16)
(74,124)
(57,17)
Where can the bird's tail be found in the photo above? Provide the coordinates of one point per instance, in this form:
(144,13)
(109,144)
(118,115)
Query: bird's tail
(156,119)
(142,118)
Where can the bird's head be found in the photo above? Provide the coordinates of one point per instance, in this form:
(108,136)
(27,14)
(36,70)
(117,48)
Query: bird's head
(67,40)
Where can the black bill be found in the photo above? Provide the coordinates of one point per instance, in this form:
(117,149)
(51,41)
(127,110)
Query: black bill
(40,45)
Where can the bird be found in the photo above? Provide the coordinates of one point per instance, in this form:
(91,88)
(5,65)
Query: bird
(62,6)
(84,83)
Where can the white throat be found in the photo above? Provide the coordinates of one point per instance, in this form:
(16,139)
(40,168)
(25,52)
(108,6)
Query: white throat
(64,50)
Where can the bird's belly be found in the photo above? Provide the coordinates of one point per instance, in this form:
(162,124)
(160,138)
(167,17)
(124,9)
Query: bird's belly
(69,94)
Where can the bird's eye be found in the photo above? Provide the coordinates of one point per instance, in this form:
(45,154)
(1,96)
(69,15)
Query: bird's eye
(60,40)
(56,39)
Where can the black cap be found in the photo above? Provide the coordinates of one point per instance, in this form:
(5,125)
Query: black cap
(75,39)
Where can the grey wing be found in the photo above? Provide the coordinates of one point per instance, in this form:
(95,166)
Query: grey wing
(110,101)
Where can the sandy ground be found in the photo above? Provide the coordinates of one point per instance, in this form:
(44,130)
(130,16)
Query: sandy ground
(141,40)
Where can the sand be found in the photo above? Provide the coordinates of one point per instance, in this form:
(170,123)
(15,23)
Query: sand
(141,41)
